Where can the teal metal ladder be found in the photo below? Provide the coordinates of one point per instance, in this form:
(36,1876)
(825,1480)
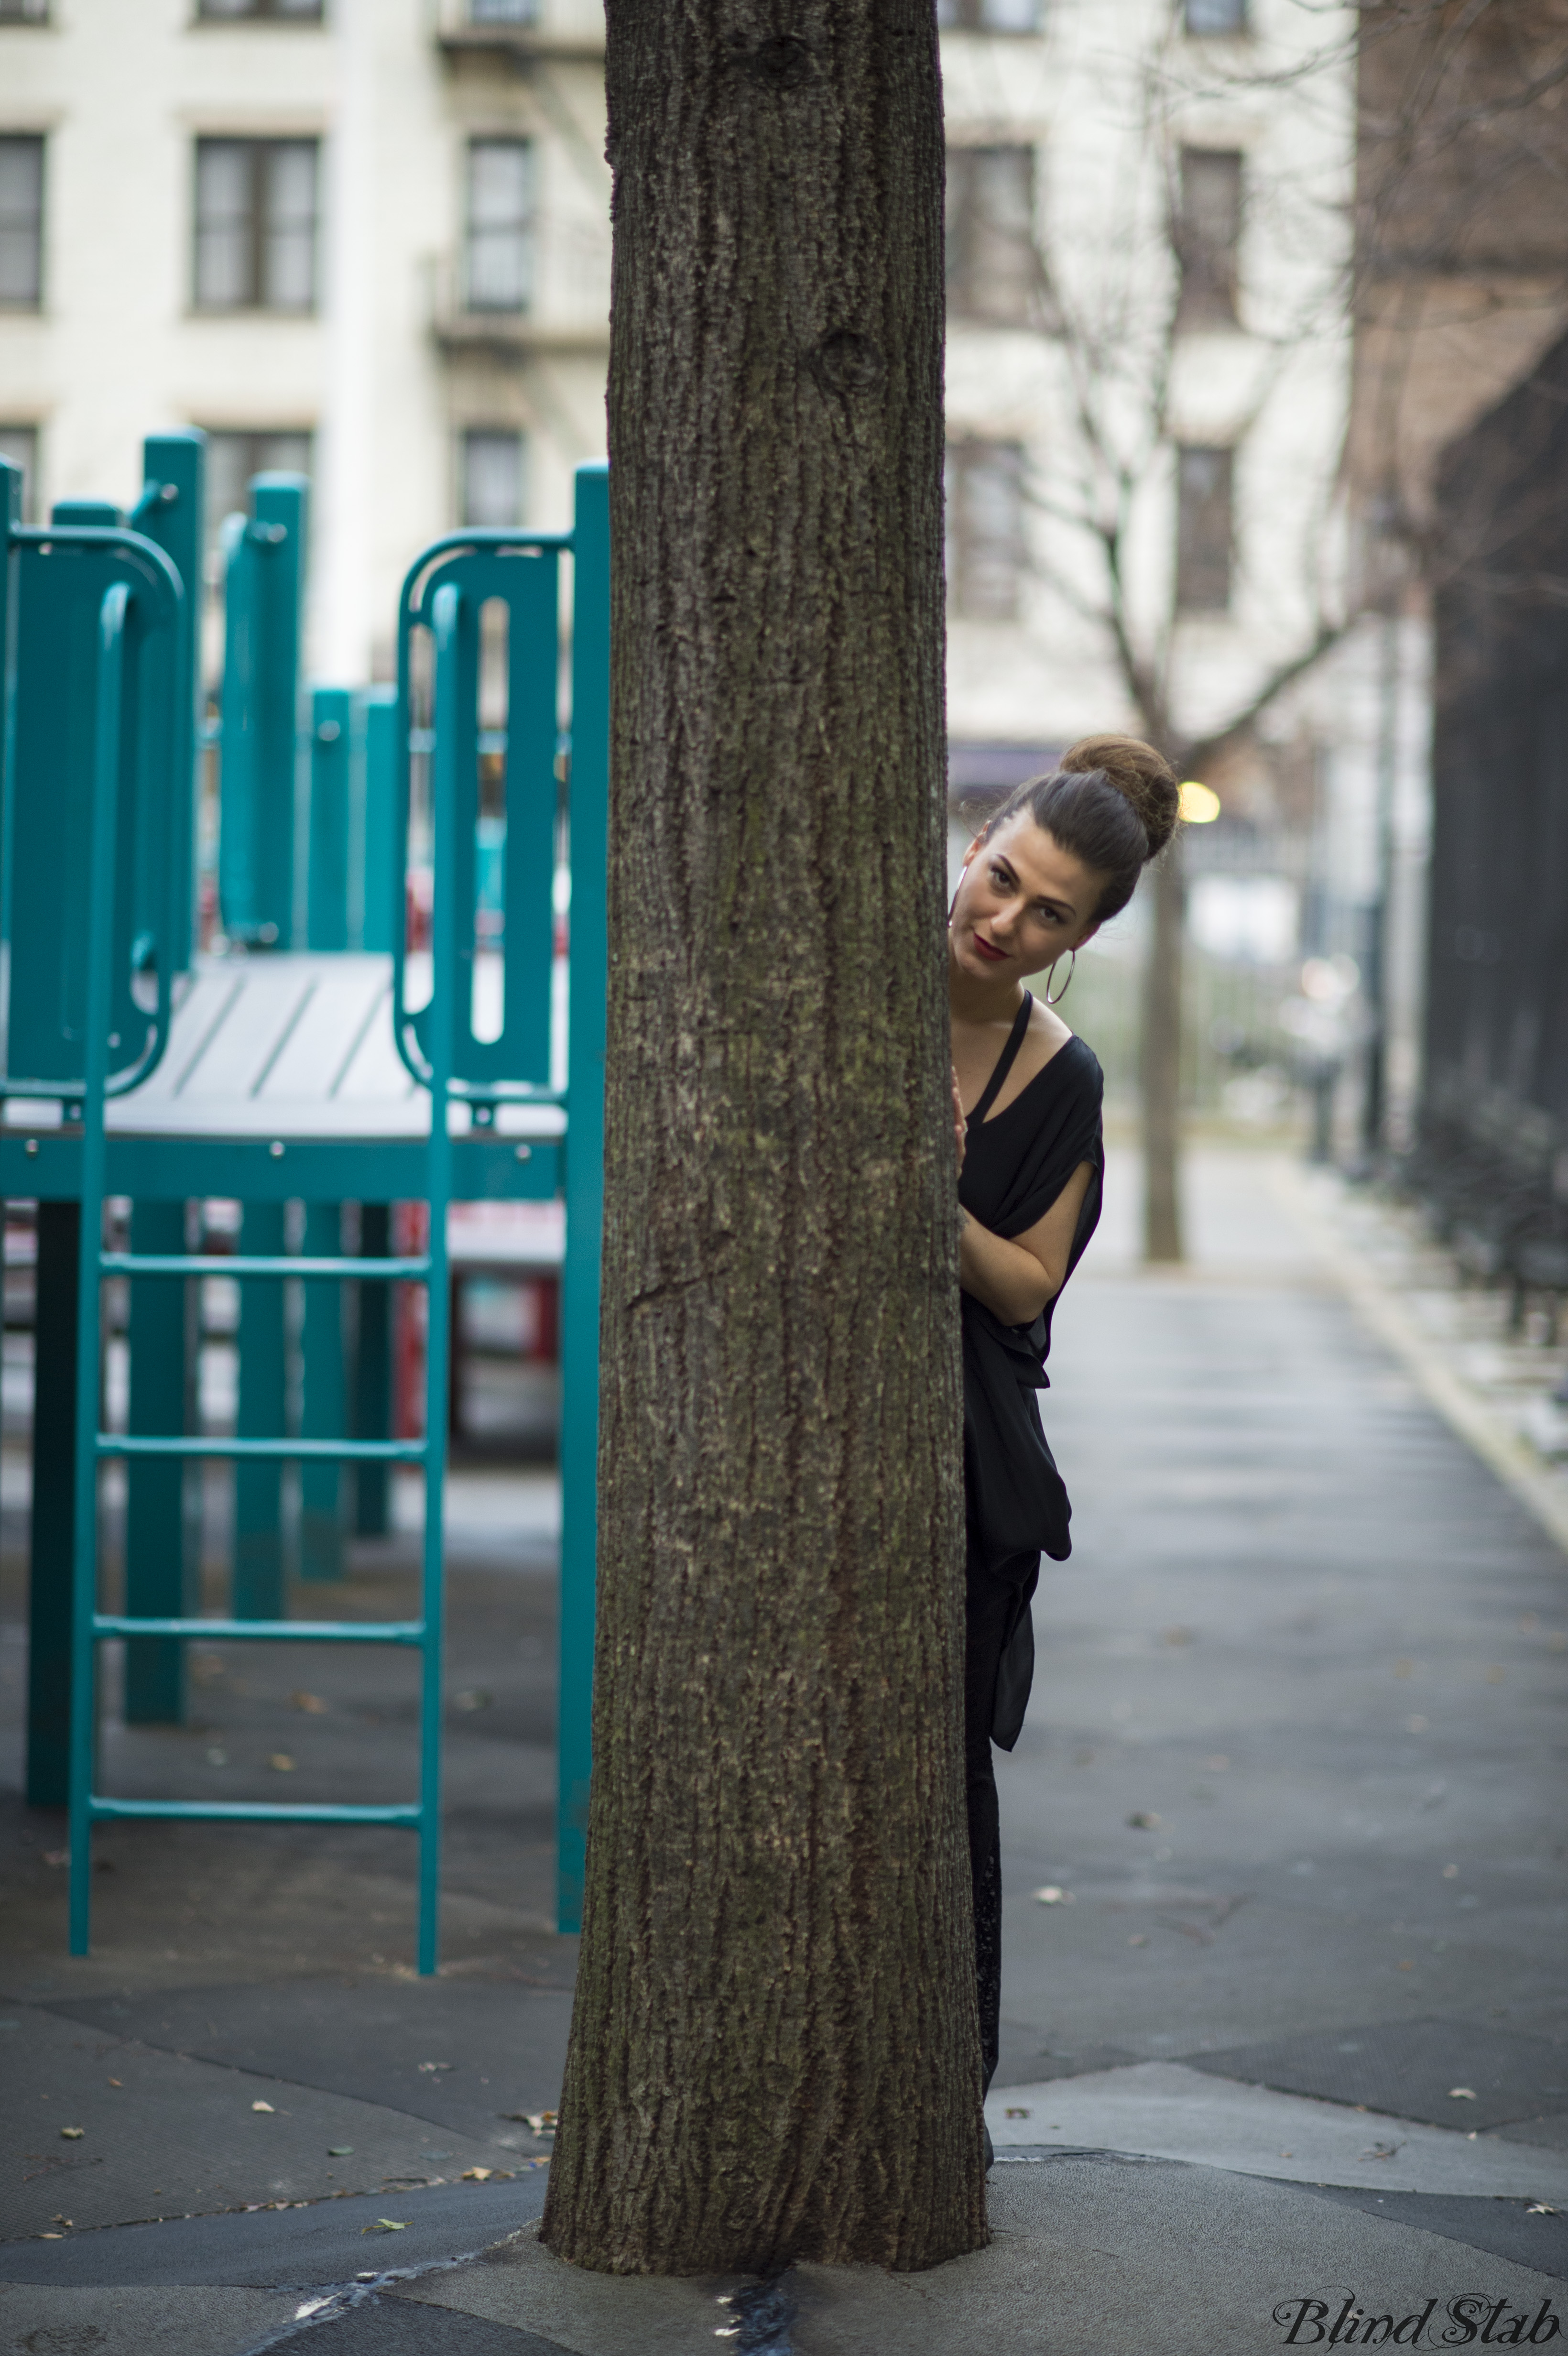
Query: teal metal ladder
(455,1066)
(91,1626)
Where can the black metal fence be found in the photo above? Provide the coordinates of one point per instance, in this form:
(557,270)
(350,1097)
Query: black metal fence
(1493,1135)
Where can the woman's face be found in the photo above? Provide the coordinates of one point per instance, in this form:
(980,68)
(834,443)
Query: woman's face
(1022,902)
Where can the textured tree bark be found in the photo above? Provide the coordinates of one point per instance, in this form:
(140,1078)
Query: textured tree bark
(774,2054)
(1162,1062)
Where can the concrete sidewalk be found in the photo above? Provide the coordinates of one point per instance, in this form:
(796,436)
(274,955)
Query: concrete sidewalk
(1283,1997)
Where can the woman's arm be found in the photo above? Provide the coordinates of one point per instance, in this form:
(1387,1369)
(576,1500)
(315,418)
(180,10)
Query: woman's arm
(1015,1279)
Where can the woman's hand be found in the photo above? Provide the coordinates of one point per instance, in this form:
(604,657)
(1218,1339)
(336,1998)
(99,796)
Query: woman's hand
(960,1126)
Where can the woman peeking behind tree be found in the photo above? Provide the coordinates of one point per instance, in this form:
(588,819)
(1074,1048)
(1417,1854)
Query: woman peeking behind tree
(1063,854)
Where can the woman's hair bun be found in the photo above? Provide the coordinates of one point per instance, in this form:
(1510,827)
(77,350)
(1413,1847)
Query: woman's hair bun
(1142,776)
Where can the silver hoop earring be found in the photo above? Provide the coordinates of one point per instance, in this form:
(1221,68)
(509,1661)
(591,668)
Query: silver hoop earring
(1072,970)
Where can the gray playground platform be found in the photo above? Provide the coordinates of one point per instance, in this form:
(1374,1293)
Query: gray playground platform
(1304,1630)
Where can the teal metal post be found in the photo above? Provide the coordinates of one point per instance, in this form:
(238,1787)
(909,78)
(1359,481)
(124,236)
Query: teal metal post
(446,944)
(265,594)
(326,872)
(172,512)
(105,812)
(265,560)
(258,1480)
(157,1576)
(326,928)
(54,1505)
(380,899)
(585,1177)
(373,1373)
(323,1400)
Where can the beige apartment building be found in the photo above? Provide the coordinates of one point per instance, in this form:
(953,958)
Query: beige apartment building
(367,239)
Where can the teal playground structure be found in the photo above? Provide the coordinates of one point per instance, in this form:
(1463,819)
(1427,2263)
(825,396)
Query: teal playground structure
(390,1014)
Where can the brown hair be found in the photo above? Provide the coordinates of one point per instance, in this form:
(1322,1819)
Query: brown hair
(1114,803)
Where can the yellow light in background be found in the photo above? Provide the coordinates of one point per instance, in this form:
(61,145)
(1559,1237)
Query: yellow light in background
(1200,804)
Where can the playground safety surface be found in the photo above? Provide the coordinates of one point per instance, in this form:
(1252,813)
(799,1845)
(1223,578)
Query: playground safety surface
(1264,2051)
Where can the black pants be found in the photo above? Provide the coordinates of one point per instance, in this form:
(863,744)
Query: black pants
(991,1610)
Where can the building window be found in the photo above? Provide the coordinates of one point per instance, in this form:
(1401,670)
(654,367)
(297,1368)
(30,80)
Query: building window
(986,552)
(1208,231)
(20,444)
(255,224)
(24,11)
(989,16)
(288,12)
(501,272)
(233,455)
(501,12)
(21,222)
(1203,530)
(1205,17)
(993,270)
(491,477)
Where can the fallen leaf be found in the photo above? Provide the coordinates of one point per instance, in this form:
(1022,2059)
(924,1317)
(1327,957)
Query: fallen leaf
(1015,2115)
(311,1703)
(1380,2151)
(1461,2093)
(261,2107)
(1541,2209)
(1288,2155)
(116,2081)
(428,2066)
(1144,1820)
(58,2220)
(340,2151)
(281,1761)
(60,2237)
(542,2122)
(73,2135)
(1051,1896)
(384,2226)
(477,2175)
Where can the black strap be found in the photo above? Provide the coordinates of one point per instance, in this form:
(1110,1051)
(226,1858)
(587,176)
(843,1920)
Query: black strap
(1004,1063)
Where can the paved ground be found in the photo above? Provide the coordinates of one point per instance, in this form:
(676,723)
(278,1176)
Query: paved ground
(1293,1772)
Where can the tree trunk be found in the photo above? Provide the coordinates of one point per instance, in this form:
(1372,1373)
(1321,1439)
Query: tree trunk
(774,2053)
(1162,1063)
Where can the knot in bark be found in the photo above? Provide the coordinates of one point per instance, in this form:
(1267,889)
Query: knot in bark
(781,62)
(847,363)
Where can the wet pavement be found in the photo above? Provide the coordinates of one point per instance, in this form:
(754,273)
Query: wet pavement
(1286,2018)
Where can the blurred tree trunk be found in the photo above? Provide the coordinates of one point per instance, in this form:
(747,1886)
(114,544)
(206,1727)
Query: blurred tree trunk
(774,2052)
(1161,1073)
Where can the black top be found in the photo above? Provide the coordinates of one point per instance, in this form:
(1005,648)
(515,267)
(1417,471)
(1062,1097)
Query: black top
(1015,1165)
